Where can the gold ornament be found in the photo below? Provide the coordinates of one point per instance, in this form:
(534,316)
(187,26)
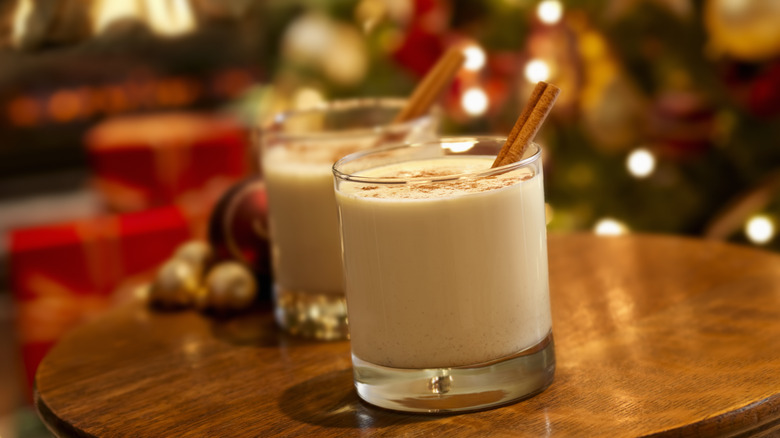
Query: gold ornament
(748,30)
(175,285)
(336,48)
(195,252)
(229,286)
(306,39)
(612,106)
(346,61)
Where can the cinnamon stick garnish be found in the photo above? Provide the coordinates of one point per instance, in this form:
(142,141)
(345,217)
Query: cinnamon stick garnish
(432,85)
(528,123)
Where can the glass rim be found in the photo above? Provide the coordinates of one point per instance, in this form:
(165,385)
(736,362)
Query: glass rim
(347,177)
(343,105)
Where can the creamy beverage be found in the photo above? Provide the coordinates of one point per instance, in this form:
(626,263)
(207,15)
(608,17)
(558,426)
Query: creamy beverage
(298,152)
(304,225)
(445,273)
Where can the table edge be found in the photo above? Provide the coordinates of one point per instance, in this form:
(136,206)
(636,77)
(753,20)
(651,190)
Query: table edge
(765,416)
(57,426)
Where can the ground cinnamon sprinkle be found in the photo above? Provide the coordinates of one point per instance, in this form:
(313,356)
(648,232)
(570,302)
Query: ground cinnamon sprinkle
(442,188)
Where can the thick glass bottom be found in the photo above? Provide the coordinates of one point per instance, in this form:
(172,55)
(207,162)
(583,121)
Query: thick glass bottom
(311,315)
(458,389)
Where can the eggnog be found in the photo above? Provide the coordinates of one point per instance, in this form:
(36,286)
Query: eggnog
(298,152)
(445,273)
(303,218)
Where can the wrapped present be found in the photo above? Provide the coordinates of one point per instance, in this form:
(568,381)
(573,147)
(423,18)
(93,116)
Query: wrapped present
(152,160)
(63,275)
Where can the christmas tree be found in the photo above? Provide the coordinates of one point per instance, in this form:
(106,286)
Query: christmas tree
(667,118)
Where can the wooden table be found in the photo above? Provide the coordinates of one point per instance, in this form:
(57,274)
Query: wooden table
(654,335)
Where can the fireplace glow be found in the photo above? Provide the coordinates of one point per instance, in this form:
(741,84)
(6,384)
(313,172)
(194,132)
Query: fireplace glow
(170,17)
(24,111)
(108,11)
(75,103)
(65,105)
(21,15)
(164,17)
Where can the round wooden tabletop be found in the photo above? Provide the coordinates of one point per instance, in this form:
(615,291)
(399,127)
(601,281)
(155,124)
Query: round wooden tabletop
(655,335)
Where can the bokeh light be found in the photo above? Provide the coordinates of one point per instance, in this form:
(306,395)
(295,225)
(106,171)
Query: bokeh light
(21,15)
(475,57)
(537,70)
(610,227)
(64,105)
(549,11)
(170,18)
(24,111)
(308,97)
(474,101)
(760,229)
(641,163)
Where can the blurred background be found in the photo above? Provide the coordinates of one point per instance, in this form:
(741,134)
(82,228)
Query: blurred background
(123,121)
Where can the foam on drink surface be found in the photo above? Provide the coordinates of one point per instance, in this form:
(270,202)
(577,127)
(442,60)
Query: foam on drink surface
(431,178)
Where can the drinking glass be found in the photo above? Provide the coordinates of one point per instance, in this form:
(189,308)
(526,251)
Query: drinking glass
(298,150)
(446,275)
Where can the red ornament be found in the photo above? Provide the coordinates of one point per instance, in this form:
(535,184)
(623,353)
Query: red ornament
(764,97)
(681,125)
(238,230)
(424,41)
(755,87)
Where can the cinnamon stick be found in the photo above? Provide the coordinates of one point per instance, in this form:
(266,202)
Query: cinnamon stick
(528,123)
(432,85)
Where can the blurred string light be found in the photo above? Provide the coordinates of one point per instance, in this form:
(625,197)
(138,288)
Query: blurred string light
(760,229)
(21,16)
(164,17)
(24,111)
(474,101)
(537,70)
(475,57)
(549,11)
(610,227)
(65,105)
(108,11)
(170,17)
(640,163)
(308,97)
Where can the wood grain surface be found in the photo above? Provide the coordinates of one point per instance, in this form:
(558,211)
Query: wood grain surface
(655,336)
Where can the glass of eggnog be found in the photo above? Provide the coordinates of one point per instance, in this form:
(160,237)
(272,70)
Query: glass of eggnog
(445,264)
(298,149)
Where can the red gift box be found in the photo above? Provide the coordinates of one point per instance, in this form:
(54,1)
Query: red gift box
(62,275)
(153,160)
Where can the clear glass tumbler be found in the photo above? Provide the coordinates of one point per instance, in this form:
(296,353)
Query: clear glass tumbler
(446,275)
(298,150)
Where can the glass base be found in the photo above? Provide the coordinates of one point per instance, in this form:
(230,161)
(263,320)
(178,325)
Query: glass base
(468,388)
(311,315)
